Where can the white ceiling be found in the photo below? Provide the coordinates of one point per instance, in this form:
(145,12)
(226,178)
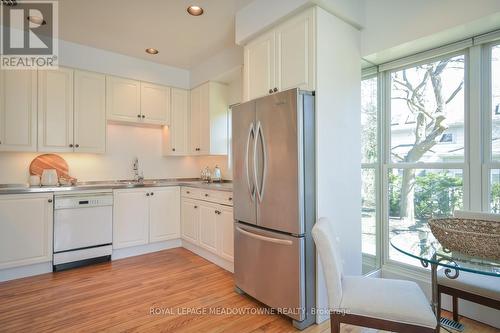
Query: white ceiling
(130,26)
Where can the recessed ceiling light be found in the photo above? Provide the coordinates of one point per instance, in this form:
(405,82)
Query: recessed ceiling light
(151,50)
(195,10)
(37,20)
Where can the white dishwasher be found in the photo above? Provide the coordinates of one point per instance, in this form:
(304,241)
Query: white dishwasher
(83,228)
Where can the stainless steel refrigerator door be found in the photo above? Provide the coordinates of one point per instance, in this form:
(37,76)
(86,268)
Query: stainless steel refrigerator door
(278,160)
(244,191)
(270,268)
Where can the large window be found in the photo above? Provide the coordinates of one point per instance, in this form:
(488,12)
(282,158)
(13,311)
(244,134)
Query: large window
(430,144)
(427,112)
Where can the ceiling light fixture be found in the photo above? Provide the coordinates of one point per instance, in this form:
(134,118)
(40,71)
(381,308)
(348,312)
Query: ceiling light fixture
(36,20)
(195,10)
(151,50)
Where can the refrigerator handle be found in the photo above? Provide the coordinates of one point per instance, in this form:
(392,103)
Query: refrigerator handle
(259,132)
(251,189)
(265,238)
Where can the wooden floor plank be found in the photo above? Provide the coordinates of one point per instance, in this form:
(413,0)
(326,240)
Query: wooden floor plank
(118,297)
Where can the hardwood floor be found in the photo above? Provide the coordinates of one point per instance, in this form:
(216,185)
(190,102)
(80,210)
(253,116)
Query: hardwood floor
(166,291)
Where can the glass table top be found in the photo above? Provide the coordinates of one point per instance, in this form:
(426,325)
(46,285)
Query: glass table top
(429,251)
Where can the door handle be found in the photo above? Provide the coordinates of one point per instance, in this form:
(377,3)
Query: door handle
(265,238)
(251,131)
(258,132)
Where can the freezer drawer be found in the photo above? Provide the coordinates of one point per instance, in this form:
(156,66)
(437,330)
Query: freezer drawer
(270,268)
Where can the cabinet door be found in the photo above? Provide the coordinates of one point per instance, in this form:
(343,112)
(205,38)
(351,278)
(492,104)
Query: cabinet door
(90,112)
(208,227)
(18,110)
(155,104)
(195,120)
(123,99)
(190,218)
(130,218)
(164,214)
(259,69)
(204,118)
(295,53)
(55,110)
(175,136)
(225,232)
(25,229)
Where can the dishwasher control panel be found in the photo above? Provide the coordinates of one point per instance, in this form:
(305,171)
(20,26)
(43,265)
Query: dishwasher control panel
(82,201)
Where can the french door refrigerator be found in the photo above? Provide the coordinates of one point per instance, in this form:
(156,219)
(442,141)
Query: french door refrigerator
(274,202)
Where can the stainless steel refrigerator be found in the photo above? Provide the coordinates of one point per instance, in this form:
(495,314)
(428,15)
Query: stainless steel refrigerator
(273,156)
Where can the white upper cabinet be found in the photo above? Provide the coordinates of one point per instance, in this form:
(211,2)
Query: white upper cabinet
(18,110)
(282,58)
(175,136)
(209,119)
(259,69)
(164,214)
(295,53)
(25,229)
(137,102)
(155,104)
(90,112)
(123,99)
(55,110)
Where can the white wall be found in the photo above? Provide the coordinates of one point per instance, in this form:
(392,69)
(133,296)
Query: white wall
(92,59)
(124,143)
(396,28)
(338,132)
(212,68)
(271,12)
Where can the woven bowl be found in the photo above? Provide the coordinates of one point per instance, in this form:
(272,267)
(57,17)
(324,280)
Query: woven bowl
(478,238)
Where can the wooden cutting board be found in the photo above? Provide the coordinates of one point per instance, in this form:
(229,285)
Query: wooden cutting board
(50,161)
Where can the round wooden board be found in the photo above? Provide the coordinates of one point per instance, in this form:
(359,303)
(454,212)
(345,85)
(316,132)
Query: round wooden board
(49,161)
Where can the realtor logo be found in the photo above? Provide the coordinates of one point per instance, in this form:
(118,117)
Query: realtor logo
(29,34)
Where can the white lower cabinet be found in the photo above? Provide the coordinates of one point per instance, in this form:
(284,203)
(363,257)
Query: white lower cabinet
(225,227)
(130,218)
(209,226)
(164,214)
(26,222)
(146,215)
(190,219)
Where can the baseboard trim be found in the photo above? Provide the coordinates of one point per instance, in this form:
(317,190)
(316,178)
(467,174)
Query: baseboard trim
(221,262)
(8,274)
(144,249)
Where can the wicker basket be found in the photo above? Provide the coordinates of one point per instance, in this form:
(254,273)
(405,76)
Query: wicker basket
(474,237)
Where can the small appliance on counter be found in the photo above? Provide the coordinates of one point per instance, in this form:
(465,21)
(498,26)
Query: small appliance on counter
(49,177)
(217,175)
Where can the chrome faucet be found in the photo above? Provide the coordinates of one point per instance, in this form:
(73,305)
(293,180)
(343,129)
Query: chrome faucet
(138,176)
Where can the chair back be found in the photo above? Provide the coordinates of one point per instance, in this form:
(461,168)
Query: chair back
(327,244)
(464,214)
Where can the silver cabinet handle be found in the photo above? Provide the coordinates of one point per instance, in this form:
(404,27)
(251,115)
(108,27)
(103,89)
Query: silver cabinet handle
(265,238)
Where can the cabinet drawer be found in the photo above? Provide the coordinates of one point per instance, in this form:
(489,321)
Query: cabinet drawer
(191,192)
(219,197)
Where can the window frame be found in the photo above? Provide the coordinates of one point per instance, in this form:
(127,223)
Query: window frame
(487,104)
(375,261)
